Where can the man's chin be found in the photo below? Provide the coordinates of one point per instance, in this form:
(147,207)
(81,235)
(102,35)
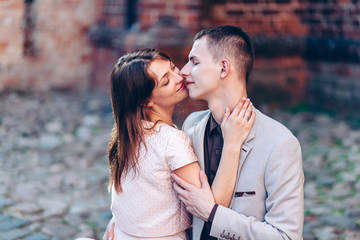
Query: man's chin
(193,95)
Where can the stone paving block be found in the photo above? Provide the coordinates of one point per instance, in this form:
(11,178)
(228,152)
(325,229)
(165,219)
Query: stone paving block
(58,230)
(14,234)
(4,202)
(12,223)
(37,236)
(4,218)
(105,215)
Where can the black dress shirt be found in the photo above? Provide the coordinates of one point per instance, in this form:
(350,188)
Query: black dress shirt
(213,144)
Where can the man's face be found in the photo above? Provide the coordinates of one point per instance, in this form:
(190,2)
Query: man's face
(201,73)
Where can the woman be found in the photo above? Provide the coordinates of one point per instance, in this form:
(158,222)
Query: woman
(146,147)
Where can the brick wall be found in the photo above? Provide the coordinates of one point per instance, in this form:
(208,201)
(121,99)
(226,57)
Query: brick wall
(186,12)
(332,18)
(291,37)
(116,34)
(111,12)
(11,43)
(58,53)
(45,43)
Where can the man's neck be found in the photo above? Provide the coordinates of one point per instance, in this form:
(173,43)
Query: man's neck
(228,99)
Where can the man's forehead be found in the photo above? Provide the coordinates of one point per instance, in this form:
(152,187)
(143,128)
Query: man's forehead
(199,46)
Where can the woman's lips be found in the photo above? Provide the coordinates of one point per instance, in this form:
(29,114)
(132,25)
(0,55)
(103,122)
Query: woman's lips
(181,87)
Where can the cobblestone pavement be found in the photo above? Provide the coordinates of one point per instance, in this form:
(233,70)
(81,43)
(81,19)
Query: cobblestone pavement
(53,168)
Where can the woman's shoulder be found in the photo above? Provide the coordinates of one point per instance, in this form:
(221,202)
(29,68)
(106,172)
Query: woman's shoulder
(168,130)
(163,129)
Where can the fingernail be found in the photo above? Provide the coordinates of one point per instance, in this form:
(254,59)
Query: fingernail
(226,109)
(244,98)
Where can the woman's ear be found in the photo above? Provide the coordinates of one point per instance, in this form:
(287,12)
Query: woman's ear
(225,68)
(149,104)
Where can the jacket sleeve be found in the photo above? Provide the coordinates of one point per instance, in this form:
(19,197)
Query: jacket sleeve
(284,201)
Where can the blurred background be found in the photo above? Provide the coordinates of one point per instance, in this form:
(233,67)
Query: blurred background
(55,113)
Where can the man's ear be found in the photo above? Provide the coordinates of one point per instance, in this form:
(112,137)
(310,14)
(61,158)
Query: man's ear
(225,68)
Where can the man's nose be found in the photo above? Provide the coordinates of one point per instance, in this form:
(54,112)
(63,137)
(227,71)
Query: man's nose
(185,70)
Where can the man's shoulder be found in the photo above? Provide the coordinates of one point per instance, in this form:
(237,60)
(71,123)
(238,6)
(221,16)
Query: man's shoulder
(271,126)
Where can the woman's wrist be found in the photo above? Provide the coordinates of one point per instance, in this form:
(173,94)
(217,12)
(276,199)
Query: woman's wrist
(232,146)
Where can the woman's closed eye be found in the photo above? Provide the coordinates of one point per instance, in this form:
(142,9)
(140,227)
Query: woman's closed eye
(166,82)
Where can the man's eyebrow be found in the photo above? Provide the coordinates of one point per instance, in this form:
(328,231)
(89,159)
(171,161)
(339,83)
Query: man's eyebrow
(191,58)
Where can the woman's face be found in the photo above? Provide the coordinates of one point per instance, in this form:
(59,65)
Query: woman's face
(169,88)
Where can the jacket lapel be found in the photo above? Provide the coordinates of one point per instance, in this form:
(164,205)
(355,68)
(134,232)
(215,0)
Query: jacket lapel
(198,138)
(245,150)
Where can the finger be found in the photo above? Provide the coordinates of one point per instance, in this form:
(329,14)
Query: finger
(248,111)
(243,109)
(226,114)
(252,118)
(236,110)
(182,199)
(182,183)
(189,208)
(180,191)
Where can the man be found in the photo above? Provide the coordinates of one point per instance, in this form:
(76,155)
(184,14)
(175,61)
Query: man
(267,202)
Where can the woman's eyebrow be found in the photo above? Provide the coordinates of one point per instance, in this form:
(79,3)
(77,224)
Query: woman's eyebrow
(164,75)
(171,66)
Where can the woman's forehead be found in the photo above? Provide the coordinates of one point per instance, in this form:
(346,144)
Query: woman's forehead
(160,67)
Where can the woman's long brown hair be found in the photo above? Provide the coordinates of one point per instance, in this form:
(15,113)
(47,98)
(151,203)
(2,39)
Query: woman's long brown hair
(131,89)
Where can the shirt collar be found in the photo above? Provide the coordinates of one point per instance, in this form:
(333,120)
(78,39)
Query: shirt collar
(214,125)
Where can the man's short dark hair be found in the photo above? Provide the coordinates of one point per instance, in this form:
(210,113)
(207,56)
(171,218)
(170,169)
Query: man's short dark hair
(232,42)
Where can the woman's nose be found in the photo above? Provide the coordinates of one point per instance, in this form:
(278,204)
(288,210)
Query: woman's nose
(184,71)
(179,78)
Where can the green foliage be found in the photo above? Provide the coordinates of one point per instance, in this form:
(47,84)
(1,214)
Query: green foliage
(308,212)
(358,221)
(338,142)
(339,212)
(91,224)
(306,107)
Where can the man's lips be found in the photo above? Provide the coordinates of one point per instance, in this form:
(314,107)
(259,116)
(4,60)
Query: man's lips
(188,83)
(181,87)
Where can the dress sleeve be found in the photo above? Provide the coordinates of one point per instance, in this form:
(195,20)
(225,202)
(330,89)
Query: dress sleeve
(178,151)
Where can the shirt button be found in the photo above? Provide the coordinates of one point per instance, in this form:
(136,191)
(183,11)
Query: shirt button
(217,151)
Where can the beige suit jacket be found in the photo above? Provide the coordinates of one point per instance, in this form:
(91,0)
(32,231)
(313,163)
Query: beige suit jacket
(268,200)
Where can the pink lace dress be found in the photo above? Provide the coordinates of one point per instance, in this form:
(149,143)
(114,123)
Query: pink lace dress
(148,207)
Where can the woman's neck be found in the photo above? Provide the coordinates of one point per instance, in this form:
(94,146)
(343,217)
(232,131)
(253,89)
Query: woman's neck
(163,115)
